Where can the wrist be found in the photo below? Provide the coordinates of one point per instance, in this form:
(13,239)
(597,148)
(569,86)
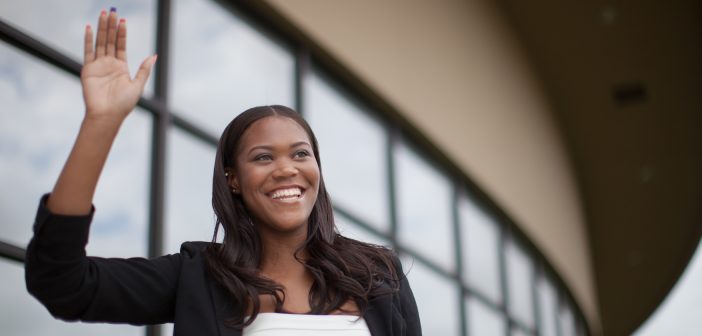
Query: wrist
(104,123)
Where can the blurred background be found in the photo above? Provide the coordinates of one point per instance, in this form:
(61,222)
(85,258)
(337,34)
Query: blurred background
(537,164)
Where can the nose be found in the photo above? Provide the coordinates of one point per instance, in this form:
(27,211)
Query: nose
(285,170)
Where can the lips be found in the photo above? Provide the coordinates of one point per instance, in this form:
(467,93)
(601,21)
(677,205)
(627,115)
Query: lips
(286,193)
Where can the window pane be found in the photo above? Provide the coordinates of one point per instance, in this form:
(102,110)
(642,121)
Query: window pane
(189,214)
(519,332)
(481,259)
(25,316)
(519,274)
(548,305)
(41,114)
(437,299)
(221,66)
(353,151)
(567,320)
(353,231)
(424,208)
(483,320)
(61,25)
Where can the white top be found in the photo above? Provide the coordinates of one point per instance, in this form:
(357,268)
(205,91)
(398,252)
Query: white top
(278,324)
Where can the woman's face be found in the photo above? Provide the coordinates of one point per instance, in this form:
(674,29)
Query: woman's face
(277,175)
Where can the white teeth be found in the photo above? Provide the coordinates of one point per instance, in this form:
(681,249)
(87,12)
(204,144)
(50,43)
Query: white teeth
(286,193)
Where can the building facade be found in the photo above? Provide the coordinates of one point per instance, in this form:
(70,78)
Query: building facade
(475,261)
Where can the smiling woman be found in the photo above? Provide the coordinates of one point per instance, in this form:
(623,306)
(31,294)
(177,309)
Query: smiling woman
(280,251)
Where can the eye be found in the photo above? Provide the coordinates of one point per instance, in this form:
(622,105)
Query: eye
(263,157)
(301,154)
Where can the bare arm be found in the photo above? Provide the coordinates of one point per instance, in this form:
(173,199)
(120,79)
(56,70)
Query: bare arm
(110,95)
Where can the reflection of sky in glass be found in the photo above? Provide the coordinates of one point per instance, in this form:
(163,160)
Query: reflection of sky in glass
(437,299)
(567,320)
(221,66)
(352,149)
(41,114)
(424,208)
(481,320)
(680,312)
(519,273)
(518,332)
(25,316)
(548,306)
(61,24)
(353,231)
(479,236)
(189,214)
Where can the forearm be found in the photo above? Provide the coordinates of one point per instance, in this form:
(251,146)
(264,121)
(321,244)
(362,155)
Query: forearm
(75,187)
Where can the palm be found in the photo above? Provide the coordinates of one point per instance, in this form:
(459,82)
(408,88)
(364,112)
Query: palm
(108,90)
(107,87)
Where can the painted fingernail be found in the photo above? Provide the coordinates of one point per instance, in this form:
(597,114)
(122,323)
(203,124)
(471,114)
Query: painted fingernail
(122,20)
(113,9)
(88,27)
(103,13)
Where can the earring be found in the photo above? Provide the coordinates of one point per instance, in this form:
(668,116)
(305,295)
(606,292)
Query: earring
(226,174)
(235,190)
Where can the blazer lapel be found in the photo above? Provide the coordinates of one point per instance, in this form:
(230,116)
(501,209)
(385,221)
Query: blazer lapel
(222,309)
(379,316)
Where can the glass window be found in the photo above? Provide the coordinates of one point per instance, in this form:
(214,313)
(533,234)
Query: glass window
(25,316)
(567,320)
(548,306)
(516,331)
(519,283)
(483,320)
(353,231)
(480,236)
(61,25)
(424,207)
(41,114)
(437,299)
(189,214)
(353,152)
(222,66)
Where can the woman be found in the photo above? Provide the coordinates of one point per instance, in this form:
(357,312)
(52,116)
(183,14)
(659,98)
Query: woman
(282,266)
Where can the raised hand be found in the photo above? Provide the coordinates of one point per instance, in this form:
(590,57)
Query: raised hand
(108,91)
(109,94)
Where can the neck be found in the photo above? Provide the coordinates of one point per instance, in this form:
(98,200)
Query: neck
(278,256)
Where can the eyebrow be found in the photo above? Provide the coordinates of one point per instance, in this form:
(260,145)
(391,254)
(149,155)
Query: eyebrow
(266,147)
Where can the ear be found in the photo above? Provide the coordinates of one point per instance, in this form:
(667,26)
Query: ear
(232,180)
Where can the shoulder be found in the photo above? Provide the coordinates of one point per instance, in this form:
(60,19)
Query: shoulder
(195,248)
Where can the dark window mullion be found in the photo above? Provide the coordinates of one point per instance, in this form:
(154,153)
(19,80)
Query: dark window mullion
(392,139)
(160,135)
(459,259)
(502,244)
(11,251)
(302,68)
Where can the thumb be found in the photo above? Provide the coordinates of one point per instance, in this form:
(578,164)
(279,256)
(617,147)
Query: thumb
(144,71)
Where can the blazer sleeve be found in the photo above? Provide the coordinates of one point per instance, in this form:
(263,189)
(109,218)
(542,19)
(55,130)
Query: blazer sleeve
(408,306)
(73,286)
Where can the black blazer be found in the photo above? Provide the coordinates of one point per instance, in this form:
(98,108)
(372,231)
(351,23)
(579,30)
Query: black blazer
(173,288)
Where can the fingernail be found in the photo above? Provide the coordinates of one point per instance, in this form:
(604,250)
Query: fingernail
(88,27)
(122,20)
(103,13)
(113,9)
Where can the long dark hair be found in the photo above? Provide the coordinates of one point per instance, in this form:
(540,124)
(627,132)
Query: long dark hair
(343,269)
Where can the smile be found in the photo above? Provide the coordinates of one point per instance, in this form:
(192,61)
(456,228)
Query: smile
(292,193)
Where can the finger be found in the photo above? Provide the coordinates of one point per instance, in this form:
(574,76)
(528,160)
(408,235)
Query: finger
(145,70)
(88,54)
(101,35)
(111,32)
(122,40)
